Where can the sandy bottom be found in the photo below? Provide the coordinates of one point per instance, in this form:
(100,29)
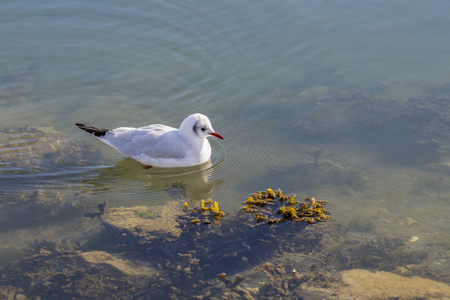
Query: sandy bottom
(363,284)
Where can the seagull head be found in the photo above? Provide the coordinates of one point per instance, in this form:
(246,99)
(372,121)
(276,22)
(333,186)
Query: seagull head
(199,126)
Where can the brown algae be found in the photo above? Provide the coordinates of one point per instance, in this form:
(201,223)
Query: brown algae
(273,207)
(209,211)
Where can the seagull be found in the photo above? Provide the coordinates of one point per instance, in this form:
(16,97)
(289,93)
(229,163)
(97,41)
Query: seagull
(161,145)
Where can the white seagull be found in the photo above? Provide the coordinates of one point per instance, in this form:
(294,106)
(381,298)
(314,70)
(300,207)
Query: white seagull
(161,145)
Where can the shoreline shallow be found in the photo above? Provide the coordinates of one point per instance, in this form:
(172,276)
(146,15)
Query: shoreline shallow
(137,256)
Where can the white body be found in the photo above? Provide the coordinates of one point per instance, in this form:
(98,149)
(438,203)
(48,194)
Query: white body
(164,146)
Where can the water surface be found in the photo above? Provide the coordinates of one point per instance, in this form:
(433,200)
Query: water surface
(345,101)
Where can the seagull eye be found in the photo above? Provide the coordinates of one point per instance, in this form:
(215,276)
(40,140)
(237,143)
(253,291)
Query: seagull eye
(203,128)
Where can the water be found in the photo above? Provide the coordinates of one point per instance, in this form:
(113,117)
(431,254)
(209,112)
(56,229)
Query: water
(364,83)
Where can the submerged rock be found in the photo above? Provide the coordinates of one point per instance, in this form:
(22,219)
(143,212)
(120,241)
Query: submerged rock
(32,162)
(144,221)
(157,253)
(364,284)
(154,254)
(320,283)
(74,275)
(28,149)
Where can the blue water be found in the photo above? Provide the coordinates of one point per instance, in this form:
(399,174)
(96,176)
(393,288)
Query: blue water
(279,80)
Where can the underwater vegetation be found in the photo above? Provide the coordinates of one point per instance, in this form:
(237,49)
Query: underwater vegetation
(271,207)
(290,283)
(175,252)
(199,242)
(158,253)
(206,213)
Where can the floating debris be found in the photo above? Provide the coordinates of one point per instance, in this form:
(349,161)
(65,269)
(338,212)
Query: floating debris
(273,207)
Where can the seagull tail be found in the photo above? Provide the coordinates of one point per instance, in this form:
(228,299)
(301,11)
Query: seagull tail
(98,132)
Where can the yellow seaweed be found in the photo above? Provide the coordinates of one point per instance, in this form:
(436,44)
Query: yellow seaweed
(280,193)
(264,207)
(202,205)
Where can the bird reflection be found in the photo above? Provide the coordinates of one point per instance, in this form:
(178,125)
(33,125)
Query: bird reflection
(128,180)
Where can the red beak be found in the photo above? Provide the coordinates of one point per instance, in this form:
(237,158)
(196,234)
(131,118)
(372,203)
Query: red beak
(217,135)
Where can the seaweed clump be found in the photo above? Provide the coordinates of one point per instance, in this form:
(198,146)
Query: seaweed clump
(206,213)
(270,207)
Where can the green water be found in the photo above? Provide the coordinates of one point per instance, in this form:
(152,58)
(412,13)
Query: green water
(364,85)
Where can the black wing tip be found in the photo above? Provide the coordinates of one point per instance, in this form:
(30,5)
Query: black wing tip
(99,132)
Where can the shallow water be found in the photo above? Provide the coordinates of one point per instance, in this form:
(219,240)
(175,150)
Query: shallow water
(344,101)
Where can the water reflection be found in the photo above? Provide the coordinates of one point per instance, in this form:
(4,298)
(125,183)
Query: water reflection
(129,183)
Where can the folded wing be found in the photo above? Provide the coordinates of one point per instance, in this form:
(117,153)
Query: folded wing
(156,141)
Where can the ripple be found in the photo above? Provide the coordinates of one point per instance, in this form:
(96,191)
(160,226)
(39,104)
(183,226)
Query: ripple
(31,157)
(127,183)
